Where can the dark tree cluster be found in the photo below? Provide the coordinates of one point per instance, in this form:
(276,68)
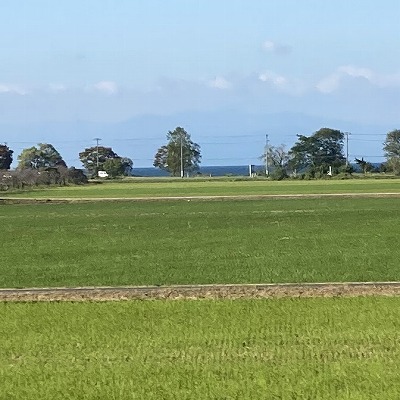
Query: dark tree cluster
(37,165)
(313,156)
(391,147)
(322,152)
(40,157)
(44,165)
(29,177)
(6,157)
(319,152)
(100,158)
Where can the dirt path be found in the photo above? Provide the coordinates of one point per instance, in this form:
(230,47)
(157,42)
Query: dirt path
(255,291)
(22,200)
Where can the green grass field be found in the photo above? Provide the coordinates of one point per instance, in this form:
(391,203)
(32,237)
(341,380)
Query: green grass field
(182,242)
(333,348)
(193,187)
(343,348)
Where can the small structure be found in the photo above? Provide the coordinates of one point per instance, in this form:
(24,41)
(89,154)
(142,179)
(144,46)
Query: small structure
(252,172)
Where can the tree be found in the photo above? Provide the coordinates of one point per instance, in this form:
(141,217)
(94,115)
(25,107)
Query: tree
(75,176)
(93,158)
(318,152)
(119,166)
(278,161)
(43,156)
(364,165)
(391,147)
(179,154)
(6,158)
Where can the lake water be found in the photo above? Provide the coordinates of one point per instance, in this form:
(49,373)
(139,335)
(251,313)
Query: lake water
(232,170)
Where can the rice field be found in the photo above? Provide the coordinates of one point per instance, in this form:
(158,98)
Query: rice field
(194,242)
(336,348)
(292,348)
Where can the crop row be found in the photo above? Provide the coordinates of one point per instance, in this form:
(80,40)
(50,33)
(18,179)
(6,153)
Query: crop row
(243,349)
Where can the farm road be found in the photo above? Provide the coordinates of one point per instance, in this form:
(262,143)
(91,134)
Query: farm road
(35,200)
(229,291)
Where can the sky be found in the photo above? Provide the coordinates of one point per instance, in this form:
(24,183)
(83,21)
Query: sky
(228,71)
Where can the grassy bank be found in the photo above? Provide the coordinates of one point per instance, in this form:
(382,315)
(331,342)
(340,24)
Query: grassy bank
(181,242)
(244,349)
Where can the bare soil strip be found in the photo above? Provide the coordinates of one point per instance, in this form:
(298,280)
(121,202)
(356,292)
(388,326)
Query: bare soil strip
(176,292)
(38,200)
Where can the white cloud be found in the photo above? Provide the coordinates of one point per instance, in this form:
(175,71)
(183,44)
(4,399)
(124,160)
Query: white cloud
(272,77)
(220,83)
(16,89)
(329,84)
(269,45)
(108,87)
(57,87)
(276,48)
(333,81)
(291,86)
(356,72)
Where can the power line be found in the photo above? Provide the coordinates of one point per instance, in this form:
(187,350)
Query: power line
(146,139)
(369,134)
(366,140)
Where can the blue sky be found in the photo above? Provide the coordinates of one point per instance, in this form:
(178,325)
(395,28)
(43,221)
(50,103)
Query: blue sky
(104,63)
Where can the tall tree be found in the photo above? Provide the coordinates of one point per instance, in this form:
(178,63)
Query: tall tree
(179,155)
(391,147)
(6,158)
(93,158)
(277,158)
(42,156)
(316,153)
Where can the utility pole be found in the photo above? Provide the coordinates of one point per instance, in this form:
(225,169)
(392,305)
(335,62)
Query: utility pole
(347,148)
(181,157)
(266,155)
(97,151)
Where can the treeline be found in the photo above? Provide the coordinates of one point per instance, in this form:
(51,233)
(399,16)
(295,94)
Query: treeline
(23,178)
(314,156)
(322,154)
(43,165)
(311,157)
